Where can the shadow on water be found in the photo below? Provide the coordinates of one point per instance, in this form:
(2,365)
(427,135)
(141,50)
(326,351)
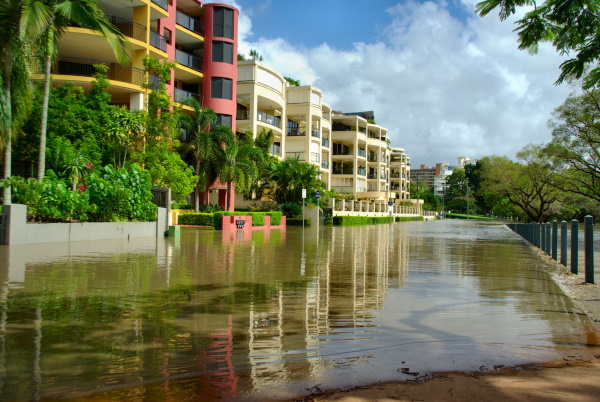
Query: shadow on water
(270,315)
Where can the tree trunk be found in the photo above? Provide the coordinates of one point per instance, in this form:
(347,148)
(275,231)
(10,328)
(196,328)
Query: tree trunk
(8,63)
(48,65)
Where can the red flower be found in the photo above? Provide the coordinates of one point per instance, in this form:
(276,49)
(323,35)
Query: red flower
(82,187)
(89,165)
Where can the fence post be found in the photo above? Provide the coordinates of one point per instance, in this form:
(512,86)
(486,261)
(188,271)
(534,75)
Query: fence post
(563,243)
(589,249)
(574,246)
(548,238)
(555,240)
(543,243)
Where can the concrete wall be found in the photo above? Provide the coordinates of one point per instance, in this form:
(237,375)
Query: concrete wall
(15,229)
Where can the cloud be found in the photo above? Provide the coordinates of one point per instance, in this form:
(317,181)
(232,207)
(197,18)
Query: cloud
(443,86)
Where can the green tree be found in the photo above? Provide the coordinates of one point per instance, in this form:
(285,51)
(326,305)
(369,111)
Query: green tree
(290,176)
(570,25)
(238,167)
(56,16)
(575,144)
(528,185)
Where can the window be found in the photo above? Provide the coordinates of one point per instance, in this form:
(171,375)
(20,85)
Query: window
(223,52)
(223,22)
(224,119)
(221,88)
(167,34)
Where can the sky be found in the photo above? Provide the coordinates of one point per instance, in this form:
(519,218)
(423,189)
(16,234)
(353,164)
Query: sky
(443,81)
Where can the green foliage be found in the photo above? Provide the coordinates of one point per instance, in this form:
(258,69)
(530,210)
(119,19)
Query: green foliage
(291,209)
(290,176)
(264,206)
(258,218)
(409,218)
(293,82)
(464,216)
(120,195)
(298,222)
(570,25)
(359,220)
(196,219)
(181,205)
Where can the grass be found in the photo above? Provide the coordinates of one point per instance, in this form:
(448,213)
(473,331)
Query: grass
(464,216)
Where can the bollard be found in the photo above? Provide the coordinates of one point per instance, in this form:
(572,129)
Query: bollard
(589,249)
(543,243)
(548,238)
(574,247)
(563,243)
(555,240)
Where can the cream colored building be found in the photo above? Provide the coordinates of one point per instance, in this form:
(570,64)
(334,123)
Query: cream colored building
(399,174)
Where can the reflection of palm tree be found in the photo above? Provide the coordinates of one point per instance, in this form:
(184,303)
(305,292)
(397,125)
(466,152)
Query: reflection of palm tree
(56,16)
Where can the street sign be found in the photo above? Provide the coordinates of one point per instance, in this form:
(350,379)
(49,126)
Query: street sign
(390,203)
(303,193)
(318,194)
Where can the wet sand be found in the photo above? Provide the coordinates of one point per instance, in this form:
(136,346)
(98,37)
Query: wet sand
(575,378)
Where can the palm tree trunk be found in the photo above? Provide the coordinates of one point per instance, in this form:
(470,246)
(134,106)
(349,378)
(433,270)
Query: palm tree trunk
(48,65)
(8,63)
(197,188)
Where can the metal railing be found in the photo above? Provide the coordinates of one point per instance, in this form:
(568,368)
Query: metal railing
(340,152)
(315,133)
(188,60)
(275,149)
(242,115)
(162,4)
(295,132)
(190,23)
(361,171)
(315,157)
(325,165)
(269,119)
(180,95)
(158,41)
(395,175)
(372,158)
(345,170)
(85,68)
(362,152)
(296,155)
(325,142)
(128,28)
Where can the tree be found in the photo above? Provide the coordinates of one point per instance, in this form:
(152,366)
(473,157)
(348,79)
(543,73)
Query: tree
(56,16)
(574,148)
(239,166)
(570,25)
(423,192)
(290,176)
(527,185)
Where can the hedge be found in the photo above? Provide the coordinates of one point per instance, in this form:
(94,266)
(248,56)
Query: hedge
(297,222)
(258,218)
(367,220)
(198,219)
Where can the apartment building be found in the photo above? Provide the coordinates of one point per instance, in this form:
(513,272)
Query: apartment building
(424,174)
(201,38)
(399,174)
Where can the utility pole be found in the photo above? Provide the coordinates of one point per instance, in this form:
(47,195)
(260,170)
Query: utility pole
(467,197)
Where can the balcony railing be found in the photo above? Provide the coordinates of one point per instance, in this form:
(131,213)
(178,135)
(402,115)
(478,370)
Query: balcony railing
(325,142)
(190,23)
(275,149)
(158,41)
(128,28)
(362,152)
(341,152)
(85,68)
(316,133)
(383,176)
(242,115)
(269,119)
(295,132)
(325,165)
(343,170)
(181,95)
(188,60)
(372,158)
(296,155)
(162,3)
(395,175)
(361,171)
(315,157)
(371,176)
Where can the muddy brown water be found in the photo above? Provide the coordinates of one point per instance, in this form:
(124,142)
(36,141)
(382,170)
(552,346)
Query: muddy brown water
(228,316)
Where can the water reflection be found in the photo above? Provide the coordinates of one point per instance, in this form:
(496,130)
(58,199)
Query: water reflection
(269,314)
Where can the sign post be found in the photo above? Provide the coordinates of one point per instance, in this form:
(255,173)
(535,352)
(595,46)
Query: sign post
(318,196)
(303,198)
(390,207)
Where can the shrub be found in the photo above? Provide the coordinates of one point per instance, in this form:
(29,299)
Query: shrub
(264,206)
(297,222)
(291,209)
(181,205)
(200,219)
(359,220)
(258,218)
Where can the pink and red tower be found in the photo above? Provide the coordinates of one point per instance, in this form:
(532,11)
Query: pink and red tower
(218,61)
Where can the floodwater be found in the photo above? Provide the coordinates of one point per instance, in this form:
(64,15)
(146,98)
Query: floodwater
(223,315)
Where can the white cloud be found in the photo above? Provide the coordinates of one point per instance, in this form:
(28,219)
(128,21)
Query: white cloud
(442,87)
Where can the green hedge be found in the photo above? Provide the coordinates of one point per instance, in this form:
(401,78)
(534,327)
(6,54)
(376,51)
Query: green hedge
(464,216)
(368,220)
(199,219)
(297,222)
(258,218)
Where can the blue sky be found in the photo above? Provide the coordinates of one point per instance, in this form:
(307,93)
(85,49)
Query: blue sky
(443,81)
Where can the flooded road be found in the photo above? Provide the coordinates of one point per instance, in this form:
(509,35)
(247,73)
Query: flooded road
(275,315)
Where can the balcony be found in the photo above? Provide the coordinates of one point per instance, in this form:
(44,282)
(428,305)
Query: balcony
(325,165)
(128,28)
(383,176)
(181,95)
(395,175)
(188,60)
(325,142)
(315,133)
(372,176)
(242,115)
(275,149)
(162,4)
(315,157)
(190,23)
(158,41)
(269,119)
(85,68)
(361,171)
(342,152)
(343,169)
(362,152)
(296,155)
(372,158)
(295,132)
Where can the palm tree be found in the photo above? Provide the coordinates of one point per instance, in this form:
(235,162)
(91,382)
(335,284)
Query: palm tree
(56,16)
(15,86)
(239,166)
(205,146)
(291,176)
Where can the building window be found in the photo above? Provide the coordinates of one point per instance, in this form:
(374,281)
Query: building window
(223,22)
(221,88)
(224,119)
(223,52)
(167,34)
